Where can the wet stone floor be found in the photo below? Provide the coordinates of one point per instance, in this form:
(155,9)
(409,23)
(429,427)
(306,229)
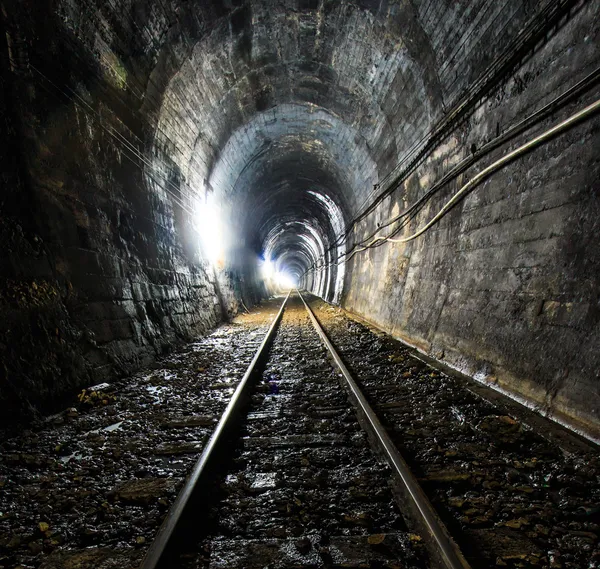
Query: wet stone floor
(88,488)
(305,490)
(510,496)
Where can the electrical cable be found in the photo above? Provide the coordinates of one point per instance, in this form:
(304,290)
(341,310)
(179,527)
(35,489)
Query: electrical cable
(470,185)
(530,34)
(558,102)
(509,134)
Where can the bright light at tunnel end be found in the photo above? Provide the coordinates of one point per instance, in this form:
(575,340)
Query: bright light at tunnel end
(275,278)
(285,280)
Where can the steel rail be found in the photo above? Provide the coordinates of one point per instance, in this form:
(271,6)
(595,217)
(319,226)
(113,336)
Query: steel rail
(156,552)
(440,540)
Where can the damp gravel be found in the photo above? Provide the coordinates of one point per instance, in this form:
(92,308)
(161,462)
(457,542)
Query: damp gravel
(510,496)
(89,487)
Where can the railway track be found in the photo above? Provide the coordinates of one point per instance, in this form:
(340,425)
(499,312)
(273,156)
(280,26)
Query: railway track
(514,489)
(303,469)
(295,475)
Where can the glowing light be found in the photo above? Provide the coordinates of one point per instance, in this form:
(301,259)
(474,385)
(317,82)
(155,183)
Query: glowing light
(285,280)
(210,229)
(275,278)
(267,269)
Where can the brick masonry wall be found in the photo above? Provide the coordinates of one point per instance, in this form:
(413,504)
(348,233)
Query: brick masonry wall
(505,288)
(100,273)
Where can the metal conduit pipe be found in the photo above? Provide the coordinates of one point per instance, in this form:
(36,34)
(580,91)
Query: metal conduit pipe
(470,185)
(544,137)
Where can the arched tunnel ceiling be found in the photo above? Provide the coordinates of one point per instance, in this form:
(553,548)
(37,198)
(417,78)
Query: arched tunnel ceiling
(224,87)
(285,113)
(293,163)
(279,100)
(317,140)
(341,57)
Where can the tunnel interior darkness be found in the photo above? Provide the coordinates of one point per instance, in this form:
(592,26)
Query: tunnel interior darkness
(170,163)
(300,125)
(283,181)
(286,184)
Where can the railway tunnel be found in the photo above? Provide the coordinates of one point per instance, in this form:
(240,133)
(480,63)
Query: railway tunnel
(427,170)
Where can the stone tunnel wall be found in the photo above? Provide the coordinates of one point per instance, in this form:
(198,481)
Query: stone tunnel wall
(99,271)
(102,272)
(505,288)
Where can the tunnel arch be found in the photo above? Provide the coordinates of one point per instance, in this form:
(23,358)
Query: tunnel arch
(290,165)
(332,118)
(128,108)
